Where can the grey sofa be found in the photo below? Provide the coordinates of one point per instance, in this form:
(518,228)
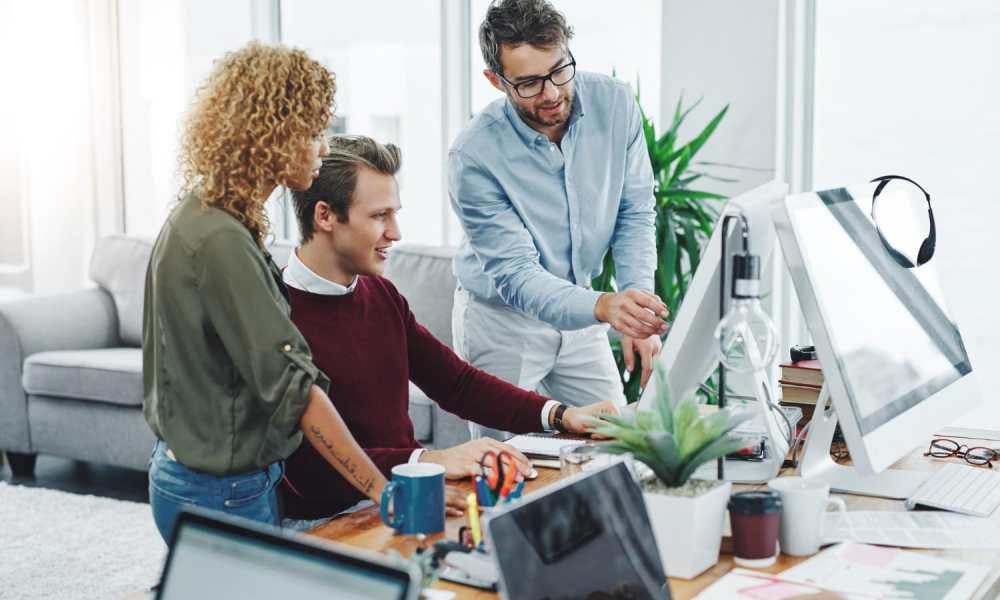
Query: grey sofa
(71,363)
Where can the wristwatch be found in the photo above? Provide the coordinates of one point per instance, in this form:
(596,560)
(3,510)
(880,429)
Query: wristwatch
(557,419)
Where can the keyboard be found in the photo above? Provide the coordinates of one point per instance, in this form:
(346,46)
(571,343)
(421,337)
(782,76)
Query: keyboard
(960,488)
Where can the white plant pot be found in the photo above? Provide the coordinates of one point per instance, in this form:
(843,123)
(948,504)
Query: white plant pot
(688,530)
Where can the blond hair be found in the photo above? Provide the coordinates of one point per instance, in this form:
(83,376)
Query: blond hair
(249,122)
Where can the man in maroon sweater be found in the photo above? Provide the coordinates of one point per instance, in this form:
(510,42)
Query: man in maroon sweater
(364,337)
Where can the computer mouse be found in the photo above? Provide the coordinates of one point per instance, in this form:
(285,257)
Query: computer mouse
(533,474)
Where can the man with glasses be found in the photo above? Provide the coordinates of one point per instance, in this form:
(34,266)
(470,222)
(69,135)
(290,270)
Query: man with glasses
(544,181)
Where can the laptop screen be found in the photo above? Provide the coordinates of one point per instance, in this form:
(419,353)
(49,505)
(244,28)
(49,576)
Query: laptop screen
(590,538)
(222,560)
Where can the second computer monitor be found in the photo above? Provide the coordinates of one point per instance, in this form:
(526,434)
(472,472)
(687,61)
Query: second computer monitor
(893,359)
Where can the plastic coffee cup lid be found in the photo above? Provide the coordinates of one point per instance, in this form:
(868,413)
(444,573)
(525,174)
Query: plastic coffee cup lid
(755,503)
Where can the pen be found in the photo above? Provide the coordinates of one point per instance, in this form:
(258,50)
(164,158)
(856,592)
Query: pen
(473,507)
(517,491)
(485,495)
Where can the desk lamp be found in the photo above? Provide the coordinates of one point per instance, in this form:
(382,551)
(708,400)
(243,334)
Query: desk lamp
(745,339)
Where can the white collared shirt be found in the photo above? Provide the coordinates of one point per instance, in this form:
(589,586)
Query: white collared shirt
(301,277)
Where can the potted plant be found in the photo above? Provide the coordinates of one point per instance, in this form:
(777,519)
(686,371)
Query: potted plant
(685,217)
(686,514)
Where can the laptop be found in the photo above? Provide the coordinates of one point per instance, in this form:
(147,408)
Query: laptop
(220,558)
(585,537)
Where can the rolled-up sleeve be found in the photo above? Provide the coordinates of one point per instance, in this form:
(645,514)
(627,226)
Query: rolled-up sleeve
(508,254)
(271,356)
(634,241)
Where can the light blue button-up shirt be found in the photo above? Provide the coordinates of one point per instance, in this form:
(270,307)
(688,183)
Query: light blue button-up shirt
(538,218)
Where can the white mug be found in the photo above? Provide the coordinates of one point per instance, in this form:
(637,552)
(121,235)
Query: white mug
(803,503)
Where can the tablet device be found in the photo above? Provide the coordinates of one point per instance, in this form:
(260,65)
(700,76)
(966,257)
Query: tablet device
(585,537)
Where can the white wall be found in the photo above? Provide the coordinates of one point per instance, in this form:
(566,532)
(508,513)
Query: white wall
(913,88)
(726,52)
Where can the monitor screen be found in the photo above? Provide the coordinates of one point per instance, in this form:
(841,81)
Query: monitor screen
(588,539)
(217,561)
(894,342)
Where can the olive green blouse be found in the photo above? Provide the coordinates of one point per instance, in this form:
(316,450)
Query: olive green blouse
(226,375)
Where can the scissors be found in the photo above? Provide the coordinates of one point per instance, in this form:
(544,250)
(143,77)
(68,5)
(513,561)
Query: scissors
(499,471)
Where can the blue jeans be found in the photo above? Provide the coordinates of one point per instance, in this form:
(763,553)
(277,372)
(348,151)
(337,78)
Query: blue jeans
(173,487)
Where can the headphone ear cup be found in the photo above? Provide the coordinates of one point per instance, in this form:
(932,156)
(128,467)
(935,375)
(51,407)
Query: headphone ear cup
(926,251)
(927,248)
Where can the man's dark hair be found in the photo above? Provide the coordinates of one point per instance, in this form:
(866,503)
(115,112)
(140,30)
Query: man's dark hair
(339,176)
(516,22)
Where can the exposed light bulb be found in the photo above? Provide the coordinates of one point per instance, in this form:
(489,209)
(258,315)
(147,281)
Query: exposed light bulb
(745,338)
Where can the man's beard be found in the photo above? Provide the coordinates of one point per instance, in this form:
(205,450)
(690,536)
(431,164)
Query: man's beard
(529,114)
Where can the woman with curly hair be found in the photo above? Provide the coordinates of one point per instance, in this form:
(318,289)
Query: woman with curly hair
(229,382)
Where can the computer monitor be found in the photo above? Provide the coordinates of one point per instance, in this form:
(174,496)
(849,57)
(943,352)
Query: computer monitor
(584,537)
(893,359)
(688,356)
(212,557)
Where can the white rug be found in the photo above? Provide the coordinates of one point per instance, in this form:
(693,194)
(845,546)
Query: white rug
(59,545)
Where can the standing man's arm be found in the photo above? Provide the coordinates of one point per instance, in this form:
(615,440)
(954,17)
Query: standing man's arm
(507,251)
(634,241)
(508,254)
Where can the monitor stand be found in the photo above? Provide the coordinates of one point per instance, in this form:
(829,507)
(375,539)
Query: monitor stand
(816,462)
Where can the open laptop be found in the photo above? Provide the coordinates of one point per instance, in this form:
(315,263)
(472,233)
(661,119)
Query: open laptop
(587,536)
(224,558)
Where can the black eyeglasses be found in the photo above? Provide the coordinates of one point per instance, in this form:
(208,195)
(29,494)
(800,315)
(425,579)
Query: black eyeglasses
(899,197)
(974,455)
(533,87)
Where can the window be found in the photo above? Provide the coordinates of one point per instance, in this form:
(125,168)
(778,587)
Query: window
(387,58)
(166,50)
(632,51)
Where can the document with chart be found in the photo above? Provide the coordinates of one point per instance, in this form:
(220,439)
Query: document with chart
(862,571)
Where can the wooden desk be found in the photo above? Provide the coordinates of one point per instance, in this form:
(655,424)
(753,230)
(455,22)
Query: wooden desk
(364,529)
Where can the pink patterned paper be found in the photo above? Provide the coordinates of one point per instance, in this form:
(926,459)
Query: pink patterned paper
(873,556)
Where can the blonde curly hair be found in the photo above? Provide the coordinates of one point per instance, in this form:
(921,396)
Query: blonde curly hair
(249,122)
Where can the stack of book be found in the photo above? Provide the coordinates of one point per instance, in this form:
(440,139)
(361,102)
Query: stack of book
(800,384)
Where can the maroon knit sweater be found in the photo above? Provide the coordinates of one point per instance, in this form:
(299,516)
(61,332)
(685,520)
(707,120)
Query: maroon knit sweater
(371,346)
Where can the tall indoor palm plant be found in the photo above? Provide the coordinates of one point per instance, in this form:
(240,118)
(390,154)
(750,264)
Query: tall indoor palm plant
(684,219)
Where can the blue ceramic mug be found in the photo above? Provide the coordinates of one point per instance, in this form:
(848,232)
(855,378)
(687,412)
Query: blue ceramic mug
(416,496)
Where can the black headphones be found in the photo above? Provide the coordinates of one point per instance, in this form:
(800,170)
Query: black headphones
(927,246)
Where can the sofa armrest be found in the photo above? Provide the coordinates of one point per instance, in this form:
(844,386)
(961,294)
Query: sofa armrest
(76,320)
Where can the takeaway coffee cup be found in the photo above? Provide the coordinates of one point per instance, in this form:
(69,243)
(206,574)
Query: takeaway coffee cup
(804,503)
(415,497)
(754,518)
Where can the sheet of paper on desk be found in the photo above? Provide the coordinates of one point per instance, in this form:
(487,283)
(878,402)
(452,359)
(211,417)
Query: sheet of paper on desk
(863,571)
(541,445)
(740,584)
(913,529)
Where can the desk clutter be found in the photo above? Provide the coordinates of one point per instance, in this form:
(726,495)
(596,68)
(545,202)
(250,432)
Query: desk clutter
(852,571)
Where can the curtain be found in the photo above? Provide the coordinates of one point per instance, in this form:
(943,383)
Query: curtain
(60,138)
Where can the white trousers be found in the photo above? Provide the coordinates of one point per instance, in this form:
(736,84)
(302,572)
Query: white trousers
(574,367)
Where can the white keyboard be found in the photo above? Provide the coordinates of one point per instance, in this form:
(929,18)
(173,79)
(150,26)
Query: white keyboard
(960,488)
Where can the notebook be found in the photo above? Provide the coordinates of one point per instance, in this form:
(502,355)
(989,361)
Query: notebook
(541,445)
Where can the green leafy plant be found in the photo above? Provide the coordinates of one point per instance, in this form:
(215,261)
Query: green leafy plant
(685,218)
(673,440)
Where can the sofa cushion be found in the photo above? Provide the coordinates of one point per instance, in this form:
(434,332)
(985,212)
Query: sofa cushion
(112,375)
(119,266)
(423,274)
